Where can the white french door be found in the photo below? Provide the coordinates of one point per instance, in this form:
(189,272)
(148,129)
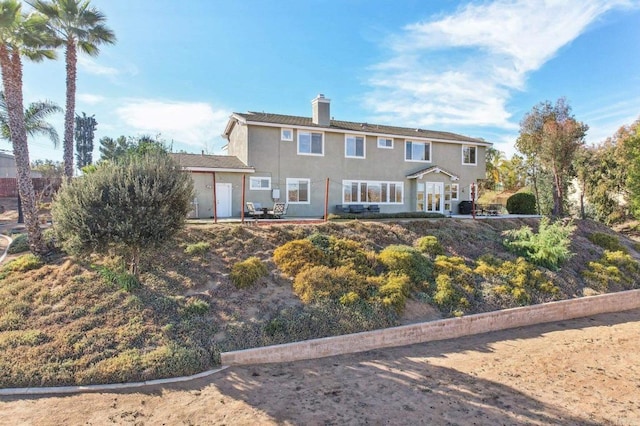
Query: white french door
(430,197)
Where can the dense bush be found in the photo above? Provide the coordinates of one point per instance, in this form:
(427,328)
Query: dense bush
(521,203)
(24,263)
(613,269)
(130,206)
(405,260)
(320,282)
(246,273)
(296,255)
(343,252)
(607,242)
(455,285)
(549,247)
(20,244)
(515,282)
(430,245)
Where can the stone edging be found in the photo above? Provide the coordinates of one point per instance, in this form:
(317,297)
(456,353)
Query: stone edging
(107,387)
(437,330)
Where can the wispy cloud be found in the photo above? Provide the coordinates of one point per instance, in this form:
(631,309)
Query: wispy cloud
(92,67)
(461,69)
(89,98)
(190,123)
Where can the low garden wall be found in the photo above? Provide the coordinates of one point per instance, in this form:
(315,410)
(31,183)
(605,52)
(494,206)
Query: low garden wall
(437,330)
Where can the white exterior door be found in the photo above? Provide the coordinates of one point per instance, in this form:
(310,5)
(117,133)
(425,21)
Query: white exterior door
(430,197)
(223,199)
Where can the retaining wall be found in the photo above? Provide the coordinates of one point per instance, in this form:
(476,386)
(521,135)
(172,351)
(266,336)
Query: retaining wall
(437,330)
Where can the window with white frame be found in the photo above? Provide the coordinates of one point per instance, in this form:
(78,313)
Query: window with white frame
(286,134)
(354,146)
(374,192)
(259,183)
(386,143)
(298,191)
(417,151)
(469,155)
(310,143)
(450,194)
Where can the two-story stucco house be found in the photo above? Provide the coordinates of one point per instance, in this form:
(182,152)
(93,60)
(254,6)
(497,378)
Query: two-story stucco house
(397,168)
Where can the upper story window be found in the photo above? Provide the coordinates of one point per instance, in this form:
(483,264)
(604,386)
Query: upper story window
(385,143)
(354,146)
(259,183)
(286,134)
(417,151)
(469,155)
(310,143)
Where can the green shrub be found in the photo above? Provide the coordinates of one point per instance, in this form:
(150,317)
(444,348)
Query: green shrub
(394,292)
(405,260)
(246,273)
(607,242)
(549,247)
(430,245)
(130,206)
(455,285)
(20,244)
(614,268)
(195,306)
(24,263)
(124,280)
(296,255)
(321,282)
(197,249)
(521,203)
(517,282)
(342,252)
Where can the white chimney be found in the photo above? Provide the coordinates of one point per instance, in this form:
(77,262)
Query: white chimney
(321,110)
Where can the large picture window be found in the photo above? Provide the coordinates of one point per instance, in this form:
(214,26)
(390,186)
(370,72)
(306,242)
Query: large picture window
(372,192)
(469,155)
(310,143)
(298,191)
(417,151)
(259,183)
(354,146)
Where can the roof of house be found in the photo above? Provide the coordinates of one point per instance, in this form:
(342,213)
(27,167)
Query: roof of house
(213,163)
(349,126)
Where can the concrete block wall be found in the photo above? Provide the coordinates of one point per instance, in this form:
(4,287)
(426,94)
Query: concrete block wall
(437,330)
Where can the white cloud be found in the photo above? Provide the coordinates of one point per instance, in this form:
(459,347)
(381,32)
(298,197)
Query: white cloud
(190,123)
(89,98)
(92,67)
(461,69)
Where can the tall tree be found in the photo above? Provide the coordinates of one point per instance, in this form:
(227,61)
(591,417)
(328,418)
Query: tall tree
(110,148)
(551,135)
(85,129)
(76,25)
(21,35)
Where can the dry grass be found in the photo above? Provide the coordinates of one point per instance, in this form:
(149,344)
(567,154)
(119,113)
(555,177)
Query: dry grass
(62,324)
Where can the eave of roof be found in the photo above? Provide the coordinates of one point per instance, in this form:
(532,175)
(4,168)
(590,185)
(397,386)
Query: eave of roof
(432,169)
(211,163)
(278,120)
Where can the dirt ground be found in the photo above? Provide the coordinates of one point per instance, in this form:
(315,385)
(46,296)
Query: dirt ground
(579,372)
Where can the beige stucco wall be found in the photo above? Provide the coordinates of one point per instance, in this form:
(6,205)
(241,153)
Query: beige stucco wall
(279,160)
(203,186)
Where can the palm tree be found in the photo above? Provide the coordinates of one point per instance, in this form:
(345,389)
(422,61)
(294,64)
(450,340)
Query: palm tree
(21,35)
(34,120)
(76,25)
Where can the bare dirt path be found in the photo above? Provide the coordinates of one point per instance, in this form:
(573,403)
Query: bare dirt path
(580,372)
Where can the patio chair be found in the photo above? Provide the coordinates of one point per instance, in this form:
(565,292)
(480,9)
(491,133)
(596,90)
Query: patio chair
(279,210)
(254,210)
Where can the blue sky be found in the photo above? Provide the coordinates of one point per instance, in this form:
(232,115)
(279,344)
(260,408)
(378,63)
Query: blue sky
(179,69)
